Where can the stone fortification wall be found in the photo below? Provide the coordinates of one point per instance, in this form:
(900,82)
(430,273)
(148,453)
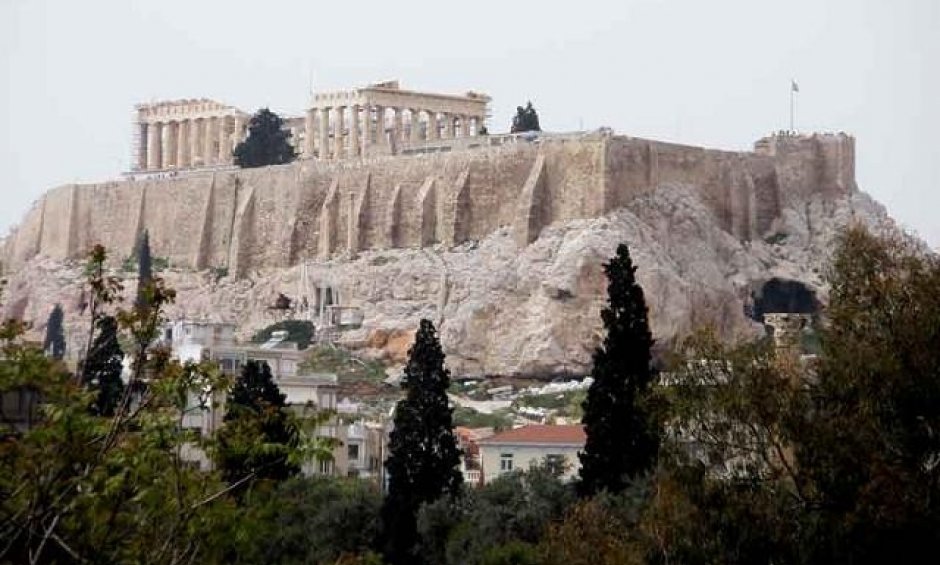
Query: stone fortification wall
(279,216)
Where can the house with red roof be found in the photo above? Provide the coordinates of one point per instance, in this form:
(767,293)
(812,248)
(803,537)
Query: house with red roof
(529,446)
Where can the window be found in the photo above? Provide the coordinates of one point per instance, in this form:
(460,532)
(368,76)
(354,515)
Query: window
(556,464)
(505,462)
(326,466)
(352,451)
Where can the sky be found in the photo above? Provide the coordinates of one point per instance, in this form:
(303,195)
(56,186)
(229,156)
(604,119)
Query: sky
(714,73)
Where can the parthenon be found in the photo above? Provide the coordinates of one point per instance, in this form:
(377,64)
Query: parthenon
(184,134)
(380,119)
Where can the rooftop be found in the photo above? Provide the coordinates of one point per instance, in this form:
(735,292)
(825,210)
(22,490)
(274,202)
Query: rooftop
(537,434)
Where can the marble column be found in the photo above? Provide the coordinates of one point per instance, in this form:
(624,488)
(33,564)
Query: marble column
(210,136)
(415,125)
(195,143)
(309,133)
(142,141)
(225,141)
(448,126)
(155,146)
(339,139)
(239,134)
(324,149)
(464,125)
(366,136)
(169,150)
(182,145)
(381,139)
(434,132)
(398,133)
(475,126)
(354,131)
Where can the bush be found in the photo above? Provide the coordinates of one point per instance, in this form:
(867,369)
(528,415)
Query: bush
(346,366)
(298,331)
(470,418)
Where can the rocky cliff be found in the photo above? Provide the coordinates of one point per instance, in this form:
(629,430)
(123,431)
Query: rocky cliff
(501,247)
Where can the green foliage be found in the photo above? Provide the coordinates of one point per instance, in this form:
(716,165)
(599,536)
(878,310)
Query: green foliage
(312,520)
(497,523)
(54,342)
(258,435)
(101,371)
(834,462)
(622,432)
(160,264)
(470,418)
(218,273)
(346,366)
(298,331)
(526,119)
(267,142)
(775,238)
(144,266)
(77,487)
(423,455)
(594,531)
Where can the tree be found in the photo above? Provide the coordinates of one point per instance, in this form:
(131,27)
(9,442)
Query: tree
(54,343)
(318,519)
(508,514)
(298,331)
(526,119)
(832,460)
(423,455)
(101,372)
(622,435)
(266,144)
(258,434)
(870,452)
(144,267)
(76,487)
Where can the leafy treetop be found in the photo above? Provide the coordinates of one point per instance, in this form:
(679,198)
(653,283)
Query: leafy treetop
(267,142)
(526,119)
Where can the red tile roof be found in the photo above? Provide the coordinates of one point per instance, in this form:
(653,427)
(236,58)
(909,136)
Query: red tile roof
(565,435)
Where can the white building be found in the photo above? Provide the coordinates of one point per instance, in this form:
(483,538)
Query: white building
(530,446)
(361,445)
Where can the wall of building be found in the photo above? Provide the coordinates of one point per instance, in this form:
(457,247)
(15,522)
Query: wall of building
(278,216)
(527,456)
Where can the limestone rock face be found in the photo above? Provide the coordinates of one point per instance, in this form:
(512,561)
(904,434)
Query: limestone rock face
(502,310)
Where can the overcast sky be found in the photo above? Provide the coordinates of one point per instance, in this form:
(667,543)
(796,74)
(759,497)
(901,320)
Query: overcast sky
(705,72)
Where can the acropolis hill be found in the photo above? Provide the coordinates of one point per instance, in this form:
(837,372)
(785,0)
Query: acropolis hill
(498,238)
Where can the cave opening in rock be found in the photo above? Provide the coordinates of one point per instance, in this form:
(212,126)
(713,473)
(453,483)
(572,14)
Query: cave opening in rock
(782,295)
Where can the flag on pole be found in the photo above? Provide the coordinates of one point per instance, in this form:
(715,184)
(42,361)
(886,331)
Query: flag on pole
(793,86)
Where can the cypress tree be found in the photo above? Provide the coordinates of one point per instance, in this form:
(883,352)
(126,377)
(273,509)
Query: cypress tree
(54,342)
(423,455)
(144,267)
(267,142)
(258,433)
(102,369)
(622,436)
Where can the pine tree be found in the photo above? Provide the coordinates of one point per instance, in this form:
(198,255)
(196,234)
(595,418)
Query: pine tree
(526,119)
(144,267)
(54,343)
(102,369)
(266,144)
(622,437)
(258,431)
(423,455)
